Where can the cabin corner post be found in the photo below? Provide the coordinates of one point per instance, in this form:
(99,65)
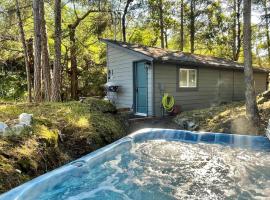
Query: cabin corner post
(153,89)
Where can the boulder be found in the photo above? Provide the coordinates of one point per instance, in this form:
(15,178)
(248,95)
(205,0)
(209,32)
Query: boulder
(25,119)
(192,126)
(182,122)
(186,124)
(18,128)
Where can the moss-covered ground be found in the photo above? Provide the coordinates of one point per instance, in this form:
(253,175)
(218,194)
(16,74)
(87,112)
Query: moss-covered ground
(60,132)
(228,118)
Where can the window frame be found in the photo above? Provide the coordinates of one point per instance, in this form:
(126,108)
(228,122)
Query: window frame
(178,88)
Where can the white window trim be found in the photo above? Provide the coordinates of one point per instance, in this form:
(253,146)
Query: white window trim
(188,70)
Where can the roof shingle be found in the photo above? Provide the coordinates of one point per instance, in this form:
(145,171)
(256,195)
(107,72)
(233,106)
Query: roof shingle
(169,56)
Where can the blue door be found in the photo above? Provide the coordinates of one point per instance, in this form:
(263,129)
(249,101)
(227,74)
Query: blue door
(140,80)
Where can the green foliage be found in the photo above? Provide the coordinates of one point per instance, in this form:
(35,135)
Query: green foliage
(213,35)
(92,79)
(13,80)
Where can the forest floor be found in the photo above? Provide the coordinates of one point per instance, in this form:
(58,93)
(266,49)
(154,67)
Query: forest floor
(60,132)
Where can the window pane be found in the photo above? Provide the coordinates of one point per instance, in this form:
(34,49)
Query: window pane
(183,78)
(187,78)
(192,78)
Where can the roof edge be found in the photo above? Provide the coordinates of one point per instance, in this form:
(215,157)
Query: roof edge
(194,64)
(151,58)
(108,42)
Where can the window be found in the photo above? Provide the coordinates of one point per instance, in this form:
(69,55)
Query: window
(187,78)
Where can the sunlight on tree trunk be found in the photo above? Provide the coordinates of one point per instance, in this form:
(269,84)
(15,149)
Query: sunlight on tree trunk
(26,57)
(238,36)
(56,83)
(45,58)
(37,51)
(192,26)
(182,26)
(124,20)
(161,21)
(251,104)
(267,27)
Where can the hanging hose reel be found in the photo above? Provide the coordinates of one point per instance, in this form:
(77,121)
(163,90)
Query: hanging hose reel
(168,102)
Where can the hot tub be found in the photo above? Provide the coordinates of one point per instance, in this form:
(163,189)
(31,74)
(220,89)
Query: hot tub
(161,164)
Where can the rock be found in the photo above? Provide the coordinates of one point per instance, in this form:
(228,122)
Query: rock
(18,128)
(186,124)
(81,99)
(3,127)
(182,122)
(192,126)
(25,119)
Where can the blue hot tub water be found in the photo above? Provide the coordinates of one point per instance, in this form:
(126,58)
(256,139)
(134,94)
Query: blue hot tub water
(161,164)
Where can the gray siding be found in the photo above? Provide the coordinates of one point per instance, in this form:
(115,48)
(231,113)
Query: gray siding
(260,80)
(214,86)
(121,62)
(239,86)
(226,85)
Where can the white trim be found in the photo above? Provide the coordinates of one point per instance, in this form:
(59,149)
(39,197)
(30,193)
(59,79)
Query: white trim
(141,114)
(187,77)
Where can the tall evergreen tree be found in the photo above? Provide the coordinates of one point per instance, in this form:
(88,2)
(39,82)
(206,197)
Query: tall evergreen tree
(56,82)
(45,57)
(25,50)
(37,52)
(251,104)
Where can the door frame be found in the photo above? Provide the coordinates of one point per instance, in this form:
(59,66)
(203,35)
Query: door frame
(134,89)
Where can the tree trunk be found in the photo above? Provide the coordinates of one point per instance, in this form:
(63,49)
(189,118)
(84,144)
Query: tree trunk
(182,26)
(192,25)
(166,39)
(73,60)
(234,30)
(124,20)
(45,58)
(37,44)
(267,27)
(161,21)
(56,83)
(238,15)
(26,57)
(30,52)
(73,53)
(251,104)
